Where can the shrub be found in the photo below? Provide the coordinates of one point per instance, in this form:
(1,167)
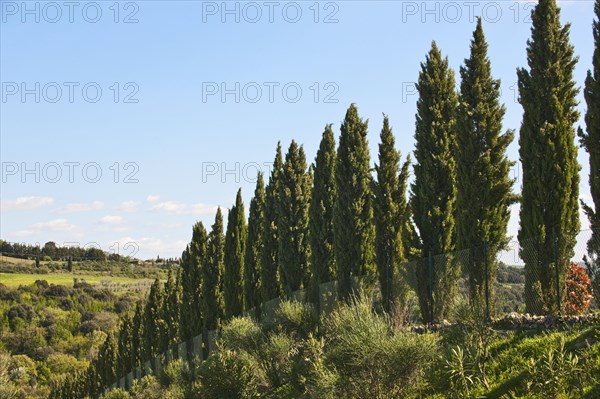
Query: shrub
(555,374)
(296,318)
(9,294)
(311,378)
(241,334)
(579,285)
(227,374)
(372,360)
(117,394)
(22,311)
(57,291)
(147,388)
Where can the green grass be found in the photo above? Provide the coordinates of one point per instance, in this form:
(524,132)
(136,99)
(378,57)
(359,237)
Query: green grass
(16,279)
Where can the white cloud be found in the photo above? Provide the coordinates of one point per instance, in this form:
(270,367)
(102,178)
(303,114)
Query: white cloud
(57,225)
(179,208)
(152,198)
(25,203)
(81,207)
(111,220)
(128,206)
(148,247)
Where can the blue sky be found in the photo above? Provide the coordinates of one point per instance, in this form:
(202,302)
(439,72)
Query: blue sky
(178,103)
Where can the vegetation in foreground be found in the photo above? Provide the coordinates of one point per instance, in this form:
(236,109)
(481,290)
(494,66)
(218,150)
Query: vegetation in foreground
(358,353)
(49,331)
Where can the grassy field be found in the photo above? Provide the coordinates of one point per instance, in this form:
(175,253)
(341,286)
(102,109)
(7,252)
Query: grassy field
(16,279)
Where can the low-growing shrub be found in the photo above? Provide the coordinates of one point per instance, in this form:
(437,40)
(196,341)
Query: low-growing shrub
(227,374)
(296,318)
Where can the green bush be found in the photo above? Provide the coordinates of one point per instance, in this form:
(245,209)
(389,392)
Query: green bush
(227,374)
(117,394)
(296,318)
(372,360)
(241,334)
(147,388)
(311,378)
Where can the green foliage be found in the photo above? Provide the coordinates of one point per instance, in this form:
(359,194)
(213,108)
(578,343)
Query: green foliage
(212,275)
(549,213)
(296,319)
(320,223)
(310,377)
(372,360)
(254,246)
(154,325)
(292,220)
(461,374)
(590,140)
(353,212)
(269,273)
(241,334)
(484,189)
(555,373)
(171,312)
(226,374)
(117,394)
(434,189)
(389,210)
(235,248)
(192,262)
(148,387)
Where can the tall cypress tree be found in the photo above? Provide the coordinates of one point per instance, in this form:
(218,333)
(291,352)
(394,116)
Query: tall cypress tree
(196,257)
(353,212)
(434,188)
(186,324)
(388,214)
(107,361)
(170,312)
(137,331)
(212,275)
(484,189)
(292,221)
(590,140)
(254,246)
(124,350)
(269,273)
(235,248)
(320,222)
(549,215)
(153,322)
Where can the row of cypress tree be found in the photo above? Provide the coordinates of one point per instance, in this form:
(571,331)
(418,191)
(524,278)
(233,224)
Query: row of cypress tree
(334,220)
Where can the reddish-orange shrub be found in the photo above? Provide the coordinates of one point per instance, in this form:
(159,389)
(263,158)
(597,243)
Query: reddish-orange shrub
(579,286)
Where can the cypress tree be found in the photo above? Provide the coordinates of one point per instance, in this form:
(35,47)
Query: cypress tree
(197,254)
(254,246)
(353,214)
(186,324)
(292,221)
(388,214)
(153,322)
(124,351)
(212,275)
(484,189)
(269,273)
(320,221)
(590,140)
(170,312)
(107,361)
(549,214)
(137,331)
(235,247)
(434,188)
